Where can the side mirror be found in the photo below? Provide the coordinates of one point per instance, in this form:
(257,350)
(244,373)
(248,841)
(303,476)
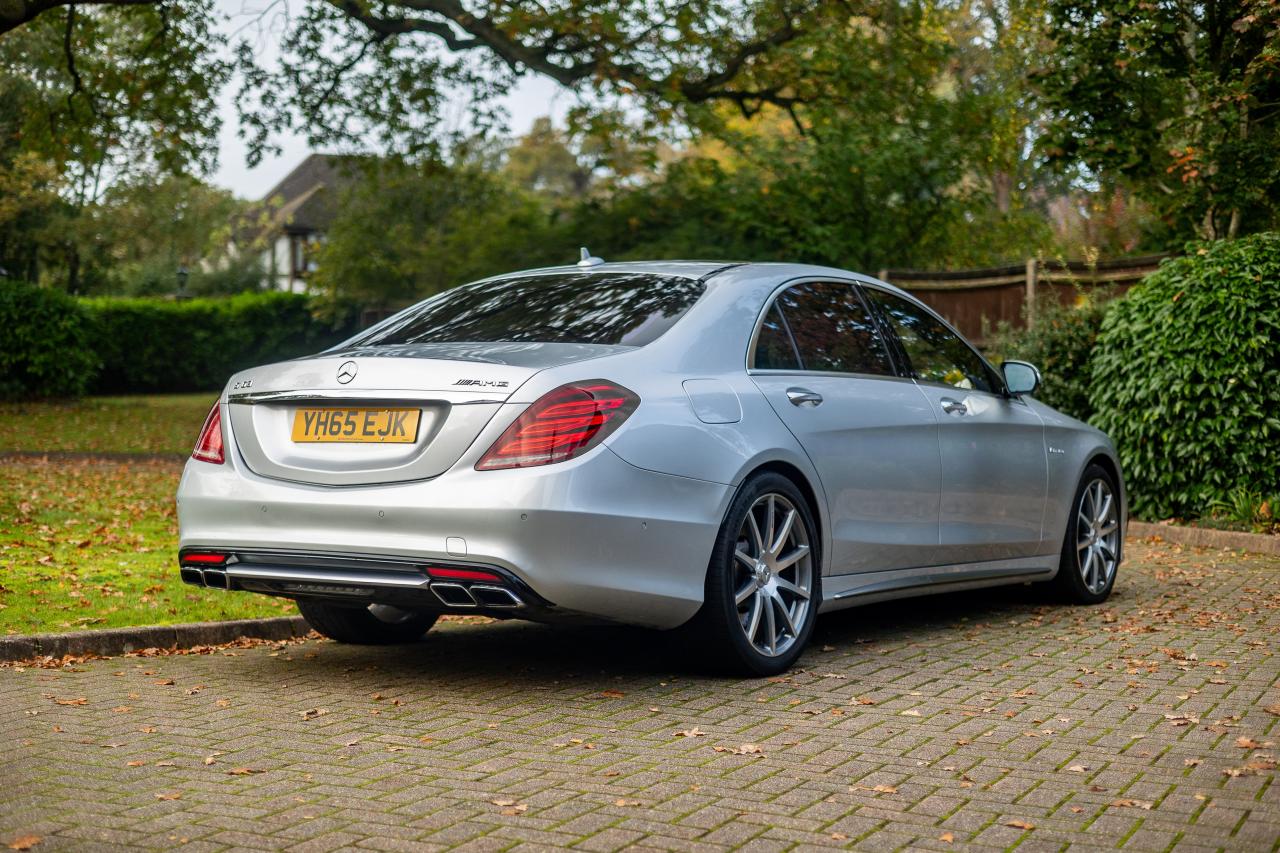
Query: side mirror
(1020,377)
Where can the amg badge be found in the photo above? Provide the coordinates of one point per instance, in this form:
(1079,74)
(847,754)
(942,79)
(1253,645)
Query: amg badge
(483,383)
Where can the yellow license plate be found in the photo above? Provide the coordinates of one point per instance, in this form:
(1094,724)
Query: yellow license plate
(372,426)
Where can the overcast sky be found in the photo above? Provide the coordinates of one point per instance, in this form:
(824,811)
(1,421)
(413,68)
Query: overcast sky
(533,98)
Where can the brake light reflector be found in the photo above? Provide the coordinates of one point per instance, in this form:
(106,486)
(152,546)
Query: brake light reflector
(202,558)
(461,574)
(209,444)
(561,424)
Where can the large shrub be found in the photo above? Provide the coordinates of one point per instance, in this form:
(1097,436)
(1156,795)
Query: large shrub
(1186,377)
(44,343)
(156,345)
(1060,342)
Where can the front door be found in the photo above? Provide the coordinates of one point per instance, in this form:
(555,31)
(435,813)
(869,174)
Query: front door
(822,363)
(992,446)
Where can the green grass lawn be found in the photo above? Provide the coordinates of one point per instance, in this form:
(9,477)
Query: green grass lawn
(165,423)
(93,544)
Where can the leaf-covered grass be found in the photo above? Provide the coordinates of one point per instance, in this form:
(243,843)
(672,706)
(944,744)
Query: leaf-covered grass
(165,423)
(93,544)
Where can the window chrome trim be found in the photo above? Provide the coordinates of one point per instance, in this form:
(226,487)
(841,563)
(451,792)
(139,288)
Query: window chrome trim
(765,371)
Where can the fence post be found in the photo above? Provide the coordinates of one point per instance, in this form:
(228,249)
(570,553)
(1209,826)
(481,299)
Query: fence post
(1033,275)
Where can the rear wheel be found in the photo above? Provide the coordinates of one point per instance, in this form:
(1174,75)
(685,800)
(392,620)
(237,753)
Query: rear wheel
(1091,547)
(763,582)
(372,625)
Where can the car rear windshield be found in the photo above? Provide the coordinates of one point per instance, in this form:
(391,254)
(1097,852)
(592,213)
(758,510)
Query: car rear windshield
(630,309)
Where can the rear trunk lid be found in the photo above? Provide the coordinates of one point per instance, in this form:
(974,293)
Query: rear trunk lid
(380,414)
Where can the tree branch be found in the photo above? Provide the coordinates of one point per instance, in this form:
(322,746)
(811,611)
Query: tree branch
(15,13)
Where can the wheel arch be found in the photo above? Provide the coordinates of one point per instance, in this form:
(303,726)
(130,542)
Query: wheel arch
(801,482)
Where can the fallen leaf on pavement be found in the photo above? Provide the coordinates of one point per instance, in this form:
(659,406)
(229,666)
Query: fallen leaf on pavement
(1020,824)
(1132,804)
(947,837)
(243,771)
(611,694)
(26,842)
(169,795)
(312,713)
(78,701)
(1077,768)
(693,732)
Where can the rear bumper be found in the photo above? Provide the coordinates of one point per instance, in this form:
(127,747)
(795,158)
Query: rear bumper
(446,587)
(594,537)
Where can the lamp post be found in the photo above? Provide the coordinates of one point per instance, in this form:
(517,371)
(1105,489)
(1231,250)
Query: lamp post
(182,281)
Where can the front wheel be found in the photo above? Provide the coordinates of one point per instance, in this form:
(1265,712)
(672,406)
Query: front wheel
(763,581)
(372,625)
(1091,546)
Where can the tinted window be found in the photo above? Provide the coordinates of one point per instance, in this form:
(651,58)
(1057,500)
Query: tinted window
(578,308)
(934,352)
(833,330)
(774,350)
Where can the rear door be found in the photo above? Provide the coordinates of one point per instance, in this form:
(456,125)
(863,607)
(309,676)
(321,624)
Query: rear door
(823,365)
(994,464)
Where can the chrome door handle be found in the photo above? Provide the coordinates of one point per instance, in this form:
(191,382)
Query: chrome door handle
(954,407)
(803,397)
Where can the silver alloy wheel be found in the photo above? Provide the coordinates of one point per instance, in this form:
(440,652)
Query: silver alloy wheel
(773,574)
(1097,536)
(390,615)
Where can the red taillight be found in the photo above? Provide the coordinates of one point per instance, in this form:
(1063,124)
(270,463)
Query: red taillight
(209,444)
(562,424)
(461,574)
(202,558)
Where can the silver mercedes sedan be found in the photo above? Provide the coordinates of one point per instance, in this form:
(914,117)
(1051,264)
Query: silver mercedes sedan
(727,448)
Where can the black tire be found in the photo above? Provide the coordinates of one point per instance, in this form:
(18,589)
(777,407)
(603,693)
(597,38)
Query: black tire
(359,625)
(718,626)
(1070,584)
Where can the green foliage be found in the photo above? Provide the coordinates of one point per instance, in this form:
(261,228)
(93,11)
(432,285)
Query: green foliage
(1176,100)
(45,344)
(1060,343)
(406,231)
(1186,377)
(1248,508)
(155,345)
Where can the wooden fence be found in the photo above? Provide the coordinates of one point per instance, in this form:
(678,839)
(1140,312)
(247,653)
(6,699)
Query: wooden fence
(974,300)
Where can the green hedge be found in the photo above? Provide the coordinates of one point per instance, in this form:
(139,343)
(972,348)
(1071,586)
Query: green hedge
(156,345)
(53,345)
(45,343)
(1186,378)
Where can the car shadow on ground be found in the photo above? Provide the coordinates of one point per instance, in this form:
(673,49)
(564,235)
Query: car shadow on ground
(524,652)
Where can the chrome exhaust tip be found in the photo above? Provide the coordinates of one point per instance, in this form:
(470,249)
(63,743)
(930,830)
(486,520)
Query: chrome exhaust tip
(192,576)
(215,579)
(495,596)
(453,594)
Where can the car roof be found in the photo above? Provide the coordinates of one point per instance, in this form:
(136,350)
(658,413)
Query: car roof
(699,270)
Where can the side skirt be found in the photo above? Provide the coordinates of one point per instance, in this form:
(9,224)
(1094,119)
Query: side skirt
(852,590)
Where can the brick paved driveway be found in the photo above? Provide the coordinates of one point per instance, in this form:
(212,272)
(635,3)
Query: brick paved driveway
(986,719)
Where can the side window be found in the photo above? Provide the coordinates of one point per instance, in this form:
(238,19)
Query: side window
(774,350)
(935,353)
(833,330)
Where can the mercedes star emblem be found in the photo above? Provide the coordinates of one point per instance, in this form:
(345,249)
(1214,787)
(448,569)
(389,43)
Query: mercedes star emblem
(347,372)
